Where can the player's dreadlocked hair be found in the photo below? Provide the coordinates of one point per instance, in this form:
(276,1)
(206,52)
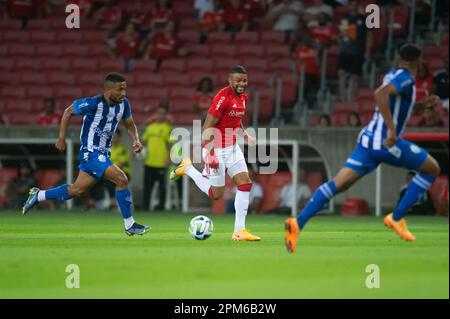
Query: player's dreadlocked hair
(238,69)
(114,78)
(409,52)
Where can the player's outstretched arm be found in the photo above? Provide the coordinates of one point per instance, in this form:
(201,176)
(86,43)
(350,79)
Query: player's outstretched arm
(133,133)
(382,95)
(65,120)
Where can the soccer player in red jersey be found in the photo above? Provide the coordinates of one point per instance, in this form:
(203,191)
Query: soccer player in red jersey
(221,153)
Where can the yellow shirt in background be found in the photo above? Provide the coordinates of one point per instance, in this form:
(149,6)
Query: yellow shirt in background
(157,137)
(121,157)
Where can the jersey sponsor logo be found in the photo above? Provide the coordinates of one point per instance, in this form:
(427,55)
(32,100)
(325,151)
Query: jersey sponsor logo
(234,113)
(105,134)
(415,149)
(220,102)
(83,105)
(102,158)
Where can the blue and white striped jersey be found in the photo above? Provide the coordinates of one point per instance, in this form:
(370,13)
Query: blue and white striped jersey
(401,106)
(100,121)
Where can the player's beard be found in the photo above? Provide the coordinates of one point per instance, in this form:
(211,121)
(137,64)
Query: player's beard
(239,90)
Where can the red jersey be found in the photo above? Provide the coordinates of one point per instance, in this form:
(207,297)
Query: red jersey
(164,47)
(212,20)
(128,48)
(327,33)
(423,87)
(45,119)
(308,57)
(229,108)
(203,100)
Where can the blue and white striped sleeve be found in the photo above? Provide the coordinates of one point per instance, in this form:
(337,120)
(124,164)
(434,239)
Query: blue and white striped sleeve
(82,106)
(127,109)
(401,81)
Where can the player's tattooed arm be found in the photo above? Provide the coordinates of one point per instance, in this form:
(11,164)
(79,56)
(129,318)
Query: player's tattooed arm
(133,133)
(382,95)
(65,120)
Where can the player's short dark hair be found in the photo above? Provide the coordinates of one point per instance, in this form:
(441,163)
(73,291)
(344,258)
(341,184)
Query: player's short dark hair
(114,78)
(238,69)
(410,52)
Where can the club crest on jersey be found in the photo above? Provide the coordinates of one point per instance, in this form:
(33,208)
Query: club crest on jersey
(102,158)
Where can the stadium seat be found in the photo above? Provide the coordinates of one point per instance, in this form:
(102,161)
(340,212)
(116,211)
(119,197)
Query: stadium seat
(80,64)
(198,64)
(175,65)
(190,24)
(355,207)
(47,178)
(339,118)
(39,92)
(59,77)
(67,92)
(223,64)
(48,50)
(6,65)
(25,64)
(181,93)
(366,104)
(110,65)
(95,37)
(266,108)
(276,51)
(439,195)
(144,66)
(10,25)
(17,105)
(175,78)
(183,9)
(34,78)
(17,49)
(22,119)
(40,37)
(89,90)
(346,107)
(98,51)
(281,66)
(271,37)
(93,78)
(75,50)
(4,50)
(199,50)
(38,24)
(154,93)
(196,77)
(249,51)
(189,37)
(246,37)
(12,92)
(401,17)
(134,93)
(151,79)
(254,64)
(8,78)
(365,93)
(180,105)
(69,36)
(219,37)
(57,64)
(16,37)
(222,50)
(259,78)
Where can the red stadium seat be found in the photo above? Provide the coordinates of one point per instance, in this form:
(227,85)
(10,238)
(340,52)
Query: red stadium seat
(8,78)
(69,36)
(10,25)
(93,78)
(276,51)
(148,78)
(200,50)
(97,38)
(185,119)
(339,118)
(254,64)
(48,50)
(198,64)
(401,17)
(271,37)
(75,50)
(38,24)
(6,65)
(266,108)
(181,93)
(89,90)
(190,24)
(22,119)
(26,64)
(16,50)
(12,92)
(110,65)
(221,65)
(281,66)
(175,78)
(366,104)
(187,36)
(183,9)
(55,64)
(134,93)
(365,93)
(39,92)
(98,51)
(147,66)
(176,65)
(438,197)
(346,107)
(259,78)
(4,49)
(355,207)
(33,78)
(246,37)
(196,77)
(17,105)
(222,50)
(249,51)
(67,92)
(47,178)
(16,37)
(60,78)
(40,37)
(80,64)
(290,90)
(219,37)
(155,93)
(181,105)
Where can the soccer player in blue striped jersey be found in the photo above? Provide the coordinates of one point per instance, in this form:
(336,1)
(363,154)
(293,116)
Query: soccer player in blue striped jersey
(101,116)
(381,142)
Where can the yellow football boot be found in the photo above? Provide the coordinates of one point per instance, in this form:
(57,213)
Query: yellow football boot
(180,170)
(244,235)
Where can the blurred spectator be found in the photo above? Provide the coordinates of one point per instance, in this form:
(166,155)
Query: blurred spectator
(353,120)
(441,84)
(213,20)
(324,32)
(423,205)
(140,17)
(120,156)
(424,82)
(203,6)
(109,16)
(203,96)
(237,18)
(287,196)
(307,57)
(162,15)
(84,5)
(165,104)
(286,16)
(2,120)
(48,116)
(157,140)
(21,9)
(18,188)
(128,46)
(317,11)
(256,195)
(256,8)
(430,118)
(355,46)
(165,45)
(324,121)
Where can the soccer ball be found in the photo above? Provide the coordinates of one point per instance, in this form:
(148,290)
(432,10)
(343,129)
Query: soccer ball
(201,227)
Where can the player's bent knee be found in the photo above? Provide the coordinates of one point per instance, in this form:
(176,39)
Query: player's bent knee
(122,181)
(76,191)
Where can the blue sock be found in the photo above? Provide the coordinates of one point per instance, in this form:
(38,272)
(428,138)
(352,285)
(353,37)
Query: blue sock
(123,198)
(320,197)
(58,193)
(419,185)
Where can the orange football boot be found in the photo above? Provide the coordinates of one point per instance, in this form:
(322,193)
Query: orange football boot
(244,235)
(399,227)
(292,234)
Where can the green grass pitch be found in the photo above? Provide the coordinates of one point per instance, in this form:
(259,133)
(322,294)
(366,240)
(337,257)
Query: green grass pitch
(167,263)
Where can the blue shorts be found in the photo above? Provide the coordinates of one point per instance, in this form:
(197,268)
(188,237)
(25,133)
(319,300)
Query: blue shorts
(94,163)
(402,154)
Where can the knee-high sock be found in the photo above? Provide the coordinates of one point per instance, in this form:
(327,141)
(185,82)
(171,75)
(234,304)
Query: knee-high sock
(202,182)
(241,203)
(320,197)
(419,185)
(124,201)
(58,193)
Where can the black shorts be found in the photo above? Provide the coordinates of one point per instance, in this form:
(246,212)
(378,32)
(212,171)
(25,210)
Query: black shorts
(350,63)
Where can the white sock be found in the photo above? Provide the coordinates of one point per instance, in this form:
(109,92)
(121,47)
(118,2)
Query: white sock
(241,206)
(201,181)
(41,196)
(129,222)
